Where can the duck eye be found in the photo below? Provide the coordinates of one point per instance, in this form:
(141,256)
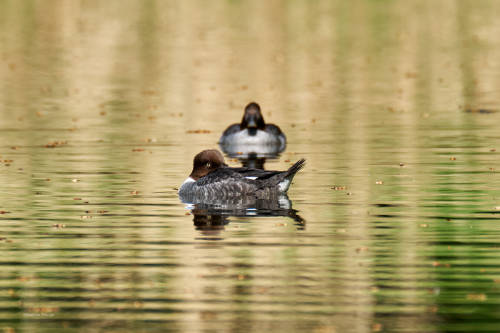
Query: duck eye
(209,164)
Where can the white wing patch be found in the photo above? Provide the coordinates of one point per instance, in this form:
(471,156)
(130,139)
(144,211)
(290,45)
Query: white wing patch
(284,185)
(188,180)
(251,177)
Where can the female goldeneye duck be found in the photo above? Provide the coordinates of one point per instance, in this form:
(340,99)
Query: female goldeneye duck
(253,134)
(212,178)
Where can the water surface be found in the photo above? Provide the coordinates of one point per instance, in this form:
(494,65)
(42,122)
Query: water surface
(394,105)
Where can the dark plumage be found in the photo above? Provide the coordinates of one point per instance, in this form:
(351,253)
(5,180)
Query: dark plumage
(212,178)
(252,134)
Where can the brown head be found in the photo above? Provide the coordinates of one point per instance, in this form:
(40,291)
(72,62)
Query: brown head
(252,118)
(206,162)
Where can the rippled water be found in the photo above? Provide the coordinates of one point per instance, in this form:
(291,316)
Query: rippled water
(394,225)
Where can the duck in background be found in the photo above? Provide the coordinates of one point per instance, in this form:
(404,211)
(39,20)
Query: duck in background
(252,139)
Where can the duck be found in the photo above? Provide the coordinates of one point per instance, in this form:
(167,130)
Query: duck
(211,178)
(252,135)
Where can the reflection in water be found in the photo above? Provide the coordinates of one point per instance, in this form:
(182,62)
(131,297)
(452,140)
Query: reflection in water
(253,156)
(214,215)
(253,161)
(207,221)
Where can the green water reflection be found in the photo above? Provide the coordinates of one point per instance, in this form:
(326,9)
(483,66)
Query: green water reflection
(394,104)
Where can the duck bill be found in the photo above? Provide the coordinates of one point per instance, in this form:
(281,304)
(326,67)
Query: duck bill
(252,123)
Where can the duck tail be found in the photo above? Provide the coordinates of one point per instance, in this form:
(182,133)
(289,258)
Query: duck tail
(296,167)
(285,182)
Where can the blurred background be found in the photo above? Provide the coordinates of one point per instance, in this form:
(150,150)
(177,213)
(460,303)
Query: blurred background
(394,104)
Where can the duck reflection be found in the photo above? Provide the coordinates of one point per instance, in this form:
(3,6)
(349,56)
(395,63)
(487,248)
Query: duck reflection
(208,222)
(253,160)
(255,157)
(210,216)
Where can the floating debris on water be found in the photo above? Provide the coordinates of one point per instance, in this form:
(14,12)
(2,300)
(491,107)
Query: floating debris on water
(198,131)
(55,144)
(480,110)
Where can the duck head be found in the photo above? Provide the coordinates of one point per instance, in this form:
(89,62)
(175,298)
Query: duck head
(252,119)
(206,162)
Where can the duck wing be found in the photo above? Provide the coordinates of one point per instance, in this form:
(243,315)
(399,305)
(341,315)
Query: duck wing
(258,174)
(224,182)
(255,173)
(234,128)
(274,129)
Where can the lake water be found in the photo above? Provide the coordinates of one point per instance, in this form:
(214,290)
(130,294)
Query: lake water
(395,224)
